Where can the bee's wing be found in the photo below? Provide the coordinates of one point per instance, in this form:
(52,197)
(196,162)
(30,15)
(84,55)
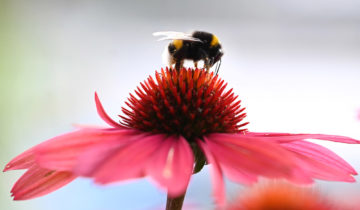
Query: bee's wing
(172,35)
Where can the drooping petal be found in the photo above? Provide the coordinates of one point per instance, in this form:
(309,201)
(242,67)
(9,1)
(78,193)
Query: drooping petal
(285,137)
(244,160)
(172,165)
(103,115)
(23,161)
(62,152)
(322,171)
(92,158)
(217,175)
(240,176)
(96,156)
(268,160)
(326,166)
(266,155)
(321,154)
(38,182)
(126,162)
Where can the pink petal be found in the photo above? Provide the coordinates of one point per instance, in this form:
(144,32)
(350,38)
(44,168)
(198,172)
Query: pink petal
(318,165)
(127,162)
(237,175)
(251,156)
(93,157)
(243,160)
(172,165)
(322,171)
(309,160)
(217,175)
(103,115)
(62,152)
(285,137)
(321,154)
(38,182)
(23,161)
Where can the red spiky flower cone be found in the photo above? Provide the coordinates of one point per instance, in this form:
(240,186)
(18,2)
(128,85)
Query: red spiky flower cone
(176,123)
(187,103)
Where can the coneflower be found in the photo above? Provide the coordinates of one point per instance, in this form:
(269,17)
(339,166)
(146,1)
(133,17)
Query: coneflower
(177,122)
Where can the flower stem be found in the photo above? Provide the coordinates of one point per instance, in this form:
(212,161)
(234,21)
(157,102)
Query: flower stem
(175,203)
(200,161)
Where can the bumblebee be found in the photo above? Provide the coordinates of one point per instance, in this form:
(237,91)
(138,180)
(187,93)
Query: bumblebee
(199,45)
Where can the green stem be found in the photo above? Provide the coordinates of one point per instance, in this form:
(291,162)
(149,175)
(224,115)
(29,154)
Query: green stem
(175,203)
(200,159)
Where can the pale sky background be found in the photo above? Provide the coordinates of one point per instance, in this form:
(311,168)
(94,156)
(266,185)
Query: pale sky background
(294,64)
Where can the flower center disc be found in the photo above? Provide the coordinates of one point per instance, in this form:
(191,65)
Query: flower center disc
(189,102)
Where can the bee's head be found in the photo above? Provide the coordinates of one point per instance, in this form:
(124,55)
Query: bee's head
(218,54)
(215,55)
(215,50)
(217,59)
(174,46)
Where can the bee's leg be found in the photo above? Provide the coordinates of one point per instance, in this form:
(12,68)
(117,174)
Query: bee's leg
(179,65)
(207,69)
(207,64)
(172,63)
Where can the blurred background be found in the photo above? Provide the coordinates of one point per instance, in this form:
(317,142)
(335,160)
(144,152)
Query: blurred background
(294,64)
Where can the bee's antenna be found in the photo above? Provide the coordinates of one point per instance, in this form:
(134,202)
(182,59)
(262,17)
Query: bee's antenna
(217,67)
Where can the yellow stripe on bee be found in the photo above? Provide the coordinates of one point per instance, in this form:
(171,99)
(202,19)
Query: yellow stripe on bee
(214,41)
(178,43)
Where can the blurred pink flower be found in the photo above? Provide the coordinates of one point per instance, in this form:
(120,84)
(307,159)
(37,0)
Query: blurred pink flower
(176,124)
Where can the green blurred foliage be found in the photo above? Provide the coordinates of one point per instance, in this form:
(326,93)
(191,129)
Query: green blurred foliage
(12,85)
